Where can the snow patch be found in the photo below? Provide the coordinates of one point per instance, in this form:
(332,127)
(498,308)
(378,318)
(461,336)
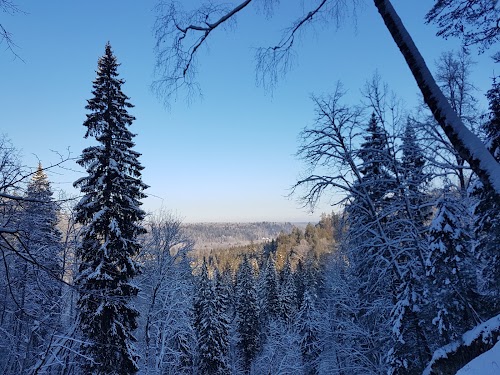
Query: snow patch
(486,364)
(483,331)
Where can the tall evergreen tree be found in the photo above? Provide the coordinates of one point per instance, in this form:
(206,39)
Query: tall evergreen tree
(35,288)
(487,211)
(287,297)
(413,175)
(406,227)
(367,213)
(310,327)
(247,314)
(376,158)
(268,290)
(370,271)
(211,327)
(110,214)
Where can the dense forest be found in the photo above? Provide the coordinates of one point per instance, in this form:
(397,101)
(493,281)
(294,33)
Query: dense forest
(403,277)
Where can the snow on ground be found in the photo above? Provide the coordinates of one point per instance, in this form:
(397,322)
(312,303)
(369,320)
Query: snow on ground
(486,364)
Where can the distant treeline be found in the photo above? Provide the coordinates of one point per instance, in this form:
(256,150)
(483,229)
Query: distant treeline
(218,235)
(294,242)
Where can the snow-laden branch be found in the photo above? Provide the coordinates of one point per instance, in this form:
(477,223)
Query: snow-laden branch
(452,357)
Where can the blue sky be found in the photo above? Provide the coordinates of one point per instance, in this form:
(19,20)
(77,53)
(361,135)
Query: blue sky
(228,156)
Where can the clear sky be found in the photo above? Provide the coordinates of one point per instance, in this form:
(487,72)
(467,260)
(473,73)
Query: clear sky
(228,156)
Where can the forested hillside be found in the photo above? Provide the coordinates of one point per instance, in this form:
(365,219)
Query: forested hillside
(299,242)
(221,235)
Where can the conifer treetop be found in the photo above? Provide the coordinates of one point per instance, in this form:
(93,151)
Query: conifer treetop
(108,96)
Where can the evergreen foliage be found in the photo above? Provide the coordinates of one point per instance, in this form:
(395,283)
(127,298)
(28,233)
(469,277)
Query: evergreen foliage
(310,327)
(374,153)
(451,271)
(287,298)
(111,217)
(410,351)
(414,176)
(35,288)
(268,291)
(367,214)
(247,314)
(487,210)
(212,328)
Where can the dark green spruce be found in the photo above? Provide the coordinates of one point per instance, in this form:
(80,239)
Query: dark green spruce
(110,214)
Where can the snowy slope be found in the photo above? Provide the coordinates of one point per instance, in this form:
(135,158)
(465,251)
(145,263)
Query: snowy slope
(486,364)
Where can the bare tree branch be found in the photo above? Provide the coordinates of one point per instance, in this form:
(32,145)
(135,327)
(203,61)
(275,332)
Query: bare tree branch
(8,7)
(276,60)
(187,32)
(476,22)
(326,147)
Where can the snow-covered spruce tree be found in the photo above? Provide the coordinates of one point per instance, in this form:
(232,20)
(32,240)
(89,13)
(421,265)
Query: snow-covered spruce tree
(409,350)
(36,290)
(386,262)
(409,212)
(268,291)
(247,314)
(367,212)
(371,270)
(225,292)
(224,297)
(487,211)
(414,176)
(377,180)
(309,320)
(451,271)
(211,327)
(287,294)
(300,280)
(111,217)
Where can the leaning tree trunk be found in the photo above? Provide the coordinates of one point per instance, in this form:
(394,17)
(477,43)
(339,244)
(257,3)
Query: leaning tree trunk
(468,145)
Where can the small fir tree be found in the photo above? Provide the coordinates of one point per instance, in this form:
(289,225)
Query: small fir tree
(110,214)
(310,329)
(287,297)
(268,291)
(450,271)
